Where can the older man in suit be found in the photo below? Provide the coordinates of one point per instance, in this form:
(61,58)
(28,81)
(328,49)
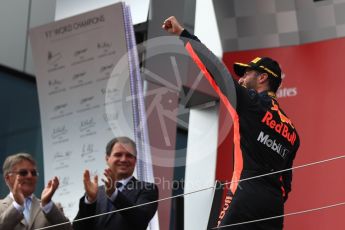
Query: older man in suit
(121,190)
(21,210)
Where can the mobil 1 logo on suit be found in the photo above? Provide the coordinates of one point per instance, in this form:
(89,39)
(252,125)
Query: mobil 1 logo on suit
(273,144)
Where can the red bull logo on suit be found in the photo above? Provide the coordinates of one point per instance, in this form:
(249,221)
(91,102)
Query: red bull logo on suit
(280,127)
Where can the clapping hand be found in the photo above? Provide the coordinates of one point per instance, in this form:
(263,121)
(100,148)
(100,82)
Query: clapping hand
(49,191)
(91,187)
(17,191)
(109,182)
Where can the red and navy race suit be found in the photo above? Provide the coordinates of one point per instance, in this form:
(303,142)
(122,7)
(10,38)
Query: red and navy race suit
(265,141)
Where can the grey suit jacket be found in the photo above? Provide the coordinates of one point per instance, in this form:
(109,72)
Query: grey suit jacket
(11,219)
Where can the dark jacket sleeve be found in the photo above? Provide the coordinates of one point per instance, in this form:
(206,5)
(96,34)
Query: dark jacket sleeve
(237,95)
(85,210)
(287,175)
(56,216)
(139,216)
(185,35)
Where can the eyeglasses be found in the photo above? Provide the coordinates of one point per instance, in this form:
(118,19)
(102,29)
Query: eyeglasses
(25,172)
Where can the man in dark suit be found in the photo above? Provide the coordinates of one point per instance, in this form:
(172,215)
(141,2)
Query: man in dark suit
(21,210)
(121,190)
